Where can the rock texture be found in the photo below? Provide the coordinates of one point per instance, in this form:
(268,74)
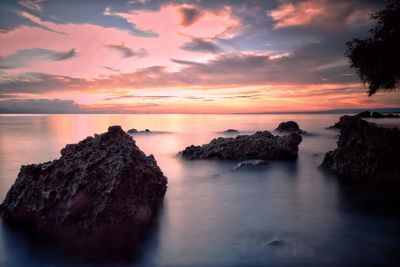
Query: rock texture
(289,127)
(261,145)
(102,191)
(343,122)
(366,152)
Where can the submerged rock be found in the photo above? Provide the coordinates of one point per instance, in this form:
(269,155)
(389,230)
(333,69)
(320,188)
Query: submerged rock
(275,243)
(365,152)
(102,191)
(249,164)
(289,127)
(261,145)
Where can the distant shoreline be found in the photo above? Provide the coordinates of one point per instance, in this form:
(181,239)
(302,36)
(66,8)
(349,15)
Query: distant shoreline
(331,111)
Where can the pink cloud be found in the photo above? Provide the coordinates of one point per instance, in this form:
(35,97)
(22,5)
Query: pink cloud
(331,14)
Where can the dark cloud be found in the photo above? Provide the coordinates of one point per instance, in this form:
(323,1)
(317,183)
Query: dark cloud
(38,106)
(201,45)
(128,52)
(189,15)
(36,83)
(58,56)
(27,57)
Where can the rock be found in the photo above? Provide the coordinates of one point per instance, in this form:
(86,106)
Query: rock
(289,127)
(231,131)
(275,243)
(366,152)
(343,121)
(135,131)
(364,114)
(249,164)
(102,193)
(375,115)
(261,145)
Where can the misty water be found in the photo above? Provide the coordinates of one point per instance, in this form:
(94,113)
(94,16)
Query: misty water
(212,215)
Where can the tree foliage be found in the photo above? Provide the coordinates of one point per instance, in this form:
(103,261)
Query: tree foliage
(376,58)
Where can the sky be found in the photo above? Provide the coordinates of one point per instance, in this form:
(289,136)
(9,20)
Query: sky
(152,56)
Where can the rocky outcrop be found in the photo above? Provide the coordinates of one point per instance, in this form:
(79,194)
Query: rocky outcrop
(289,127)
(261,145)
(375,115)
(102,191)
(250,164)
(365,152)
(343,122)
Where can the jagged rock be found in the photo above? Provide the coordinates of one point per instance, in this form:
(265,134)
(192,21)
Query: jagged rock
(365,152)
(250,164)
(261,145)
(102,191)
(289,127)
(231,131)
(364,114)
(343,121)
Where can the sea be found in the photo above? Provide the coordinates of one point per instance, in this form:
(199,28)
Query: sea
(284,214)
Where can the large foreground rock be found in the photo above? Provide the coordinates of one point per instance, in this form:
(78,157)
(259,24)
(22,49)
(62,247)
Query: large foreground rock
(102,192)
(261,145)
(366,152)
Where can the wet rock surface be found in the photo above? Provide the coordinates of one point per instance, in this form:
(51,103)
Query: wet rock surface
(365,152)
(261,145)
(289,127)
(100,195)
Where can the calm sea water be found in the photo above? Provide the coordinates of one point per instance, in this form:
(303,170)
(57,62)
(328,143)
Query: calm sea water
(213,216)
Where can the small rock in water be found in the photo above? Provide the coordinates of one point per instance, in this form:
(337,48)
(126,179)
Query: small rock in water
(289,127)
(275,243)
(231,131)
(248,164)
(133,130)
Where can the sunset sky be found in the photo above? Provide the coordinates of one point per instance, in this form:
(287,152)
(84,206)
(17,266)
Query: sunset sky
(149,56)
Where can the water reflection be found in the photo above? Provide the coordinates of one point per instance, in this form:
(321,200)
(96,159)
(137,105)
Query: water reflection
(213,216)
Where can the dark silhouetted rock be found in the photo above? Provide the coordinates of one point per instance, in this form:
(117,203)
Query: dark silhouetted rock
(375,115)
(275,243)
(364,114)
(366,152)
(103,192)
(135,131)
(343,121)
(289,127)
(249,164)
(231,131)
(261,145)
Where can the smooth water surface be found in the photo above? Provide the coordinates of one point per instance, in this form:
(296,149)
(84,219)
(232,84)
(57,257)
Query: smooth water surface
(213,216)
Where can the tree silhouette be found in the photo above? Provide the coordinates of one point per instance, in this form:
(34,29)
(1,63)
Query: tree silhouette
(376,58)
